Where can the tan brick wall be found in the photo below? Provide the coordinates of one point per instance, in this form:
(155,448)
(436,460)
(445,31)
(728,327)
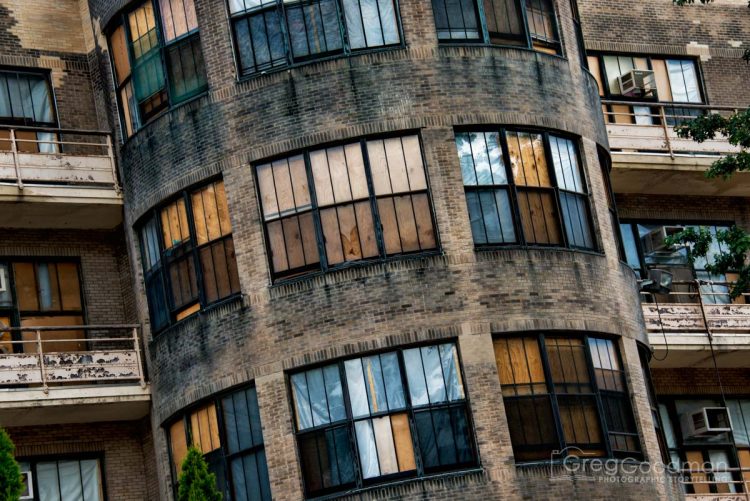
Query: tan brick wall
(124,447)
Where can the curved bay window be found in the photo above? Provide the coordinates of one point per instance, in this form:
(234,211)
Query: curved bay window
(566,394)
(525,188)
(228,433)
(274,33)
(157,59)
(525,23)
(382,417)
(329,207)
(188,255)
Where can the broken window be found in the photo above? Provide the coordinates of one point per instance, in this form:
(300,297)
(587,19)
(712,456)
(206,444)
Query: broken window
(405,411)
(188,255)
(157,60)
(331,206)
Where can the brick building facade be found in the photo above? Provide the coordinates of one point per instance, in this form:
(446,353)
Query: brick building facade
(356,263)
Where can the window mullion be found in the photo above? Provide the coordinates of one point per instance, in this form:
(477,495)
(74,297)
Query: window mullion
(315,214)
(597,395)
(551,389)
(162,49)
(378,227)
(482,21)
(194,249)
(512,190)
(550,161)
(525,18)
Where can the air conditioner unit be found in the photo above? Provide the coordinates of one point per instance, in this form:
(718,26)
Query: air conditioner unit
(655,240)
(28,486)
(707,421)
(637,83)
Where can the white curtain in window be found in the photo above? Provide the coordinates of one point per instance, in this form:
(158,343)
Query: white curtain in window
(47,482)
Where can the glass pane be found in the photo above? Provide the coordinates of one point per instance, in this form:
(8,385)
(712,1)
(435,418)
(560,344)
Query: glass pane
(368,453)
(187,74)
(568,366)
(318,401)
(532,427)
(178,17)
(47,479)
(415,377)
(451,372)
(334,392)
(455,19)
(739,412)
(565,160)
(575,211)
(301,401)
(355,380)
(481,158)
(433,373)
(91,484)
(392,376)
(375,384)
(370,23)
(313,28)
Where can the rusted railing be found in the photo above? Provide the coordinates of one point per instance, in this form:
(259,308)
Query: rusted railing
(648,127)
(63,356)
(57,156)
(688,308)
(699,486)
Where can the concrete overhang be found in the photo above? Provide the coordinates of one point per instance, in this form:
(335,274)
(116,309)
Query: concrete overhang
(694,350)
(82,404)
(657,174)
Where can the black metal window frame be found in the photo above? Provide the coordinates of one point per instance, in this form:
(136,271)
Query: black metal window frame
(279,8)
(37,72)
(605,162)
(513,187)
(526,38)
(631,225)
(121,20)
(348,423)
(33,461)
(323,266)
(219,458)
(608,94)
(15,313)
(554,395)
(681,448)
(185,250)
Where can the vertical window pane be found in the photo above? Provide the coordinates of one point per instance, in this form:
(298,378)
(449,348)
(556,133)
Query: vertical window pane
(178,444)
(204,429)
(371,23)
(504,22)
(178,17)
(260,41)
(539,218)
(327,460)
(542,25)
(456,20)
(313,28)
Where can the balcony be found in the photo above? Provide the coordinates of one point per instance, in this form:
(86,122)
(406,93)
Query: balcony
(649,158)
(686,324)
(53,375)
(701,483)
(58,178)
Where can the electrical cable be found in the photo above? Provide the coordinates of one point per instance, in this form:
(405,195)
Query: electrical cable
(663,332)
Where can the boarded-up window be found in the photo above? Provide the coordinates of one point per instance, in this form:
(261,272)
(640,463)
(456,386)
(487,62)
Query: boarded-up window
(366,200)
(188,255)
(547,386)
(144,45)
(505,22)
(540,15)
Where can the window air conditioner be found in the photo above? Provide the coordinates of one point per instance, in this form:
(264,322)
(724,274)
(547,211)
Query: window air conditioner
(655,240)
(637,83)
(28,486)
(707,421)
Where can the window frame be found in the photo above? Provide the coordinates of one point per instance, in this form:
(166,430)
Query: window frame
(193,253)
(512,187)
(46,74)
(221,454)
(48,458)
(14,311)
(603,78)
(322,267)
(121,20)
(280,6)
(484,38)
(410,409)
(553,393)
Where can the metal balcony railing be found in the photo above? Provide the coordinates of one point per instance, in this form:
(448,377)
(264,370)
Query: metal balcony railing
(708,484)
(690,308)
(39,155)
(62,356)
(648,127)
